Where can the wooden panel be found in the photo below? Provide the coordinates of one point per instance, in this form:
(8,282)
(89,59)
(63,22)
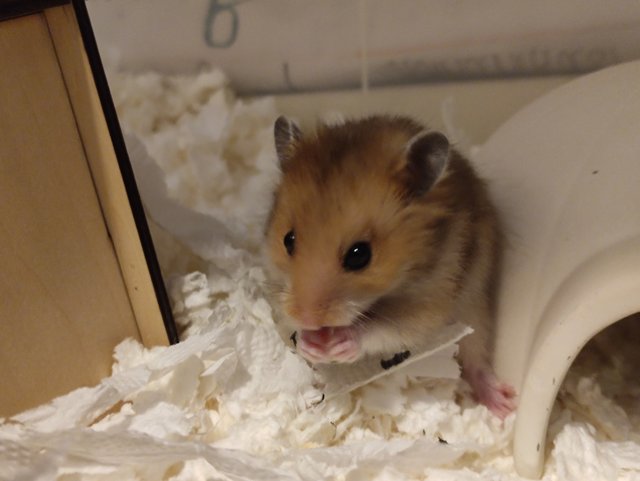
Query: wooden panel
(103,163)
(18,8)
(63,305)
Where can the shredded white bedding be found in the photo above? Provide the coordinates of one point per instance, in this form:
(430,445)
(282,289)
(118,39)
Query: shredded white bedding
(232,401)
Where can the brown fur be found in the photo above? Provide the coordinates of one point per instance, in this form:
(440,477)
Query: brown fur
(434,255)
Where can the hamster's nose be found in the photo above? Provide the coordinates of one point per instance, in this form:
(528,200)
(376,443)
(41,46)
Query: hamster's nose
(307,317)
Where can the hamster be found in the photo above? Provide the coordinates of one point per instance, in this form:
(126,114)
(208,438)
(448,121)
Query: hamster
(381,233)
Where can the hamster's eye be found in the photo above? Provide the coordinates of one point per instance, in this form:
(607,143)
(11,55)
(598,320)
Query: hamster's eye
(290,242)
(357,257)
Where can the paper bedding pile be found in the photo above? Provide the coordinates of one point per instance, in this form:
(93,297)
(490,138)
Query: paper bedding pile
(232,401)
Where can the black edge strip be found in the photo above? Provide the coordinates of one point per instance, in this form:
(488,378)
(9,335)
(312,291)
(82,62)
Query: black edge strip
(18,8)
(125,167)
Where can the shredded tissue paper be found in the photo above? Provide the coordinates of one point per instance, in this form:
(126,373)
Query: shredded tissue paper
(233,400)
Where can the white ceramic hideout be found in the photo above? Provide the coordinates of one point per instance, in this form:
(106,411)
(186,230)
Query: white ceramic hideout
(565,173)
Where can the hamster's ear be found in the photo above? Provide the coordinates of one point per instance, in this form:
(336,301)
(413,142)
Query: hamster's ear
(427,159)
(287,134)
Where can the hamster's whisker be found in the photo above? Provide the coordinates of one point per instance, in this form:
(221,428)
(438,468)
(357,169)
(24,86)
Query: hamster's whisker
(373,314)
(271,284)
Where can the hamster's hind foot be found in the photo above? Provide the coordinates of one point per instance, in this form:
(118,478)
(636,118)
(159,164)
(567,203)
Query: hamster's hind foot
(497,396)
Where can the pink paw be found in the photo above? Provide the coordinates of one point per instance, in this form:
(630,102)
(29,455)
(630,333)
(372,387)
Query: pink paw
(498,397)
(329,344)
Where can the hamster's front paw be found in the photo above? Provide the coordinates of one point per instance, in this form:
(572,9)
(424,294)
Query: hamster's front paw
(329,344)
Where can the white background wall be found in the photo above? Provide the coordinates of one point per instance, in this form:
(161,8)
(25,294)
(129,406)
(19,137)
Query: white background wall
(294,45)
